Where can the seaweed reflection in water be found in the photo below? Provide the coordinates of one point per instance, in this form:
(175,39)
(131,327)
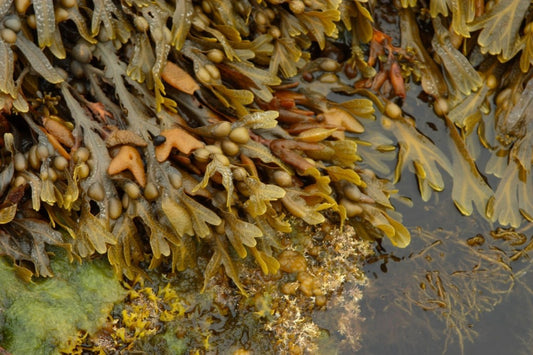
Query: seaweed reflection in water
(439,293)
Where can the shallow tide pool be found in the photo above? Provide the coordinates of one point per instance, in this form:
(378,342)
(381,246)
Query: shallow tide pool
(461,286)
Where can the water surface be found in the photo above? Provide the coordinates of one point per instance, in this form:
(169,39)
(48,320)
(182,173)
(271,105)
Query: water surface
(482,300)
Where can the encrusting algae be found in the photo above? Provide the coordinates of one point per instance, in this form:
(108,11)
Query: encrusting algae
(158,132)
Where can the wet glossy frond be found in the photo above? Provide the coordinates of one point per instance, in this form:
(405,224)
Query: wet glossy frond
(38,60)
(286,58)
(337,173)
(503,208)
(526,58)
(344,153)
(510,119)
(107,14)
(7,84)
(499,28)
(525,203)
(469,187)
(461,74)
(522,152)
(321,24)
(395,231)
(160,237)
(45,19)
(438,7)
(178,216)
(92,234)
(256,120)
(181,23)
(142,59)
(269,264)
(379,190)
(294,202)
(26,239)
(200,215)
(81,24)
(257,150)
(466,114)
(126,254)
(241,234)
(220,166)
(260,78)
(363,22)
(408,3)
(362,108)
(260,195)
(401,237)
(424,156)
(432,80)
(221,257)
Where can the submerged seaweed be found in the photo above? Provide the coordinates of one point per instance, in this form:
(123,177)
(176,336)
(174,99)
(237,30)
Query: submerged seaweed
(448,283)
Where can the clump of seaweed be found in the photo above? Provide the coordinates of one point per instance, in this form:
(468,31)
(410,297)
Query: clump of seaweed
(473,76)
(473,63)
(158,127)
(148,130)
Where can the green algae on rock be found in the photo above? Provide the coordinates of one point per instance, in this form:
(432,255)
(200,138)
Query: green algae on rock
(44,317)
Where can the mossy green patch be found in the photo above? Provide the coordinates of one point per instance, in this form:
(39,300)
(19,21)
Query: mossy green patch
(168,343)
(44,317)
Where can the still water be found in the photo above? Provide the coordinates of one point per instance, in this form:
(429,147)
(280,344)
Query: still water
(440,294)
